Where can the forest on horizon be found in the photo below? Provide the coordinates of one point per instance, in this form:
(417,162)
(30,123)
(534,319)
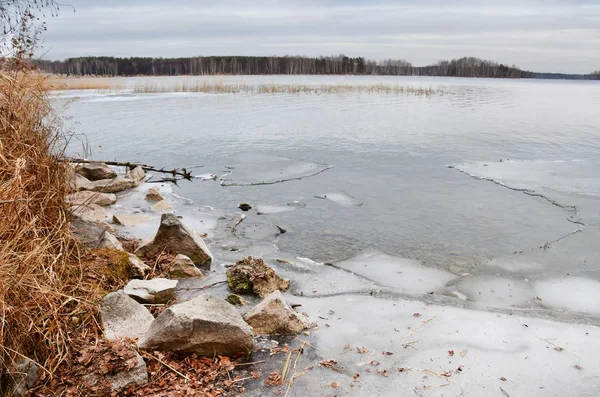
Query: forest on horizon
(288,65)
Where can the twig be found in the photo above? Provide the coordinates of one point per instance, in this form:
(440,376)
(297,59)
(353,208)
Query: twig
(504,392)
(300,351)
(171,368)
(242,379)
(251,363)
(419,326)
(175,171)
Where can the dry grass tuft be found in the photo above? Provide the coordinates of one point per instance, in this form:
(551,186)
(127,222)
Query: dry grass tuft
(46,289)
(85,83)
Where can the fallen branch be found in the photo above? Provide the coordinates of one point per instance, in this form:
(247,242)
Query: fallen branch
(183,172)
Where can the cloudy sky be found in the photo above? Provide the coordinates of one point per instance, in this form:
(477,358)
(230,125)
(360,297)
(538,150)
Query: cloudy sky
(549,35)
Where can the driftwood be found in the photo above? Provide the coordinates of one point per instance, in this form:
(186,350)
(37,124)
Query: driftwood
(184,173)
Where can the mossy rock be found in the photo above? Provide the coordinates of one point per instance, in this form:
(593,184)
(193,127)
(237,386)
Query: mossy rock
(236,300)
(250,275)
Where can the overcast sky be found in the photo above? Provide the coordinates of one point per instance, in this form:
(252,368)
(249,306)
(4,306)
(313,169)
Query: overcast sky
(549,35)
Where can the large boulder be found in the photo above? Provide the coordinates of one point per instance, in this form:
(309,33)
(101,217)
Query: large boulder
(157,290)
(95,171)
(275,316)
(250,275)
(86,197)
(123,317)
(205,325)
(137,267)
(89,233)
(183,267)
(176,238)
(114,185)
(121,380)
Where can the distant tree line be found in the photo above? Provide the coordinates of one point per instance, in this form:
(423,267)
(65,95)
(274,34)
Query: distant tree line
(595,75)
(254,65)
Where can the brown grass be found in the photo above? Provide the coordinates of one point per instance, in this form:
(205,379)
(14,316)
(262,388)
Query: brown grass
(218,87)
(47,287)
(86,83)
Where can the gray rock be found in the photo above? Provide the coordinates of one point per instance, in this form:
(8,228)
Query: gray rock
(90,212)
(115,185)
(205,325)
(89,233)
(183,267)
(119,381)
(95,171)
(137,174)
(123,317)
(137,267)
(154,195)
(130,220)
(176,238)
(22,378)
(275,316)
(157,290)
(110,241)
(77,183)
(86,197)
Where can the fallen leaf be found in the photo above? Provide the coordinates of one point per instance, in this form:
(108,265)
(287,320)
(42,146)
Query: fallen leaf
(417,315)
(450,352)
(335,385)
(383,372)
(538,298)
(346,347)
(463,352)
(503,379)
(387,353)
(361,350)
(356,376)
(577,366)
(374,363)
(559,349)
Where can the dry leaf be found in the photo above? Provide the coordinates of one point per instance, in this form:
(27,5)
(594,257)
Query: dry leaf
(503,379)
(559,349)
(463,352)
(346,347)
(450,352)
(417,315)
(335,385)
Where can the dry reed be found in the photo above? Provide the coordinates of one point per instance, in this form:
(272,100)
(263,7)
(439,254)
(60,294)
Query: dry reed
(45,289)
(84,84)
(218,87)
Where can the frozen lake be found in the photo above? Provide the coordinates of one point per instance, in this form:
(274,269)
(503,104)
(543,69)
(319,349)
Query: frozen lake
(486,194)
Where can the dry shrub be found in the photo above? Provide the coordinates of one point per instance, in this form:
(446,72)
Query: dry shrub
(46,290)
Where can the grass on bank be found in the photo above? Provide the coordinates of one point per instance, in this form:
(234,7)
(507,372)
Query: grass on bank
(83,83)
(49,287)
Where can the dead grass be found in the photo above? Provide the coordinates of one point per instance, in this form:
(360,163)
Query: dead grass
(84,83)
(218,87)
(48,288)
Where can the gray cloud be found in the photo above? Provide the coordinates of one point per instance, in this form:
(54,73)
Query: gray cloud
(550,35)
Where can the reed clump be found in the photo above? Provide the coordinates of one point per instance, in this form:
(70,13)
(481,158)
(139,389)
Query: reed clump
(83,83)
(218,87)
(48,289)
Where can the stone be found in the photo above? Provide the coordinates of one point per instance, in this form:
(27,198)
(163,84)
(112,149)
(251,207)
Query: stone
(111,242)
(245,207)
(89,233)
(119,381)
(86,197)
(90,212)
(161,206)
(154,195)
(236,300)
(95,171)
(137,267)
(77,183)
(114,185)
(176,238)
(205,325)
(183,267)
(130,220)
(22,378)
(137,174)
(251,275)
(157,290)
(275,316)
(123,317)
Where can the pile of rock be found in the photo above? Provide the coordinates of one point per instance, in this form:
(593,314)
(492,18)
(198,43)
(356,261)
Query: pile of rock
(204,325)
